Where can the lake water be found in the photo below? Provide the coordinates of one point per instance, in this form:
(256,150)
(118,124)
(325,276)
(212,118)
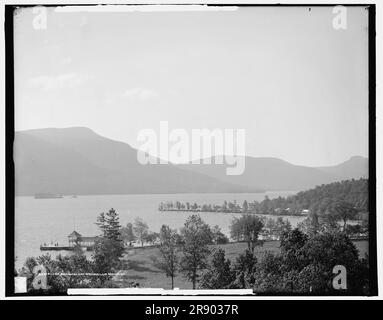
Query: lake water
(45,220)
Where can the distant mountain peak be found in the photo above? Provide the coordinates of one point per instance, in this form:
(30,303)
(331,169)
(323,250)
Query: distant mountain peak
(84,129)
(354,168)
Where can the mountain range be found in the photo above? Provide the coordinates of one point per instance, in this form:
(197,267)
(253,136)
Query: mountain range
(79,161)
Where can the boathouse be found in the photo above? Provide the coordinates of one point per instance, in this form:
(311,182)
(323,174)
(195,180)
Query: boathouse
(76,238)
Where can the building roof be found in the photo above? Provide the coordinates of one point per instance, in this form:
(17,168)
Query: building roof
(74,234)
(87,239)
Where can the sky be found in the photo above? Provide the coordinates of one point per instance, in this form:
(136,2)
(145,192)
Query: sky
(297,85)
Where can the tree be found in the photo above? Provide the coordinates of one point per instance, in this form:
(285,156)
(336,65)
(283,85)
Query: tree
(344,211)
(247,228)
(277,227)
(197,236)
(268,276)
(354,230)
(141,230)
(266,205)
(219,274)
(244,268)
(109,225)
(293,240)
(282,226)
(291,245)
(310,226)
(168,249)
(180,241)
(224,206)
(330,249)
(245,206)
(109,247)
(313,278)
(128,234)
(324,251)
(152,237)
(218,236)
(316,256)
(62,273)
(103,257)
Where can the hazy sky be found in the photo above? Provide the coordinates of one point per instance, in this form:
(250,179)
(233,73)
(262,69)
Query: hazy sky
(295,84)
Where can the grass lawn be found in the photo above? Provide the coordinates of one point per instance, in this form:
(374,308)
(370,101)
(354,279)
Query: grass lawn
(142,269)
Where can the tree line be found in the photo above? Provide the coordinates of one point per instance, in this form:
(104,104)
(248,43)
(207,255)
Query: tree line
(138,232)
(304,265)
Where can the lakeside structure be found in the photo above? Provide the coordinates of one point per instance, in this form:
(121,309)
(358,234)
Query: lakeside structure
(74,239)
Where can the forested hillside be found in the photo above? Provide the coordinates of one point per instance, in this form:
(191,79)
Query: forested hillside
(350,194)
(354,192)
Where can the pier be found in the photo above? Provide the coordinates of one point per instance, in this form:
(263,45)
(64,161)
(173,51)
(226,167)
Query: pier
(75,239)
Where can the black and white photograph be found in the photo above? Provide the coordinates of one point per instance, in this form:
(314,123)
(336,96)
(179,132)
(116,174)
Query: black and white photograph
(192,149)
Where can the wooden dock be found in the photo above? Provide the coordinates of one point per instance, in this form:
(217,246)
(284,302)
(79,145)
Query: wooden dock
(56,248)
(61,248)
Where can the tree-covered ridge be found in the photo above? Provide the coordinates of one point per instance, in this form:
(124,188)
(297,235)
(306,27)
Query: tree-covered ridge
(354,192)
(317,200)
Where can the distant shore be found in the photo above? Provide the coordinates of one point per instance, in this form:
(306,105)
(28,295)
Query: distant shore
(231,212)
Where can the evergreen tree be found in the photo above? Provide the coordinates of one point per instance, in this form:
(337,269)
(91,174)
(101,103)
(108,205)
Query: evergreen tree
(244,269)
(109,247)
(218,274)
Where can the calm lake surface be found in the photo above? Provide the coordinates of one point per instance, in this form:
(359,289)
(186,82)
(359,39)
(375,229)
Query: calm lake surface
(45,220)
